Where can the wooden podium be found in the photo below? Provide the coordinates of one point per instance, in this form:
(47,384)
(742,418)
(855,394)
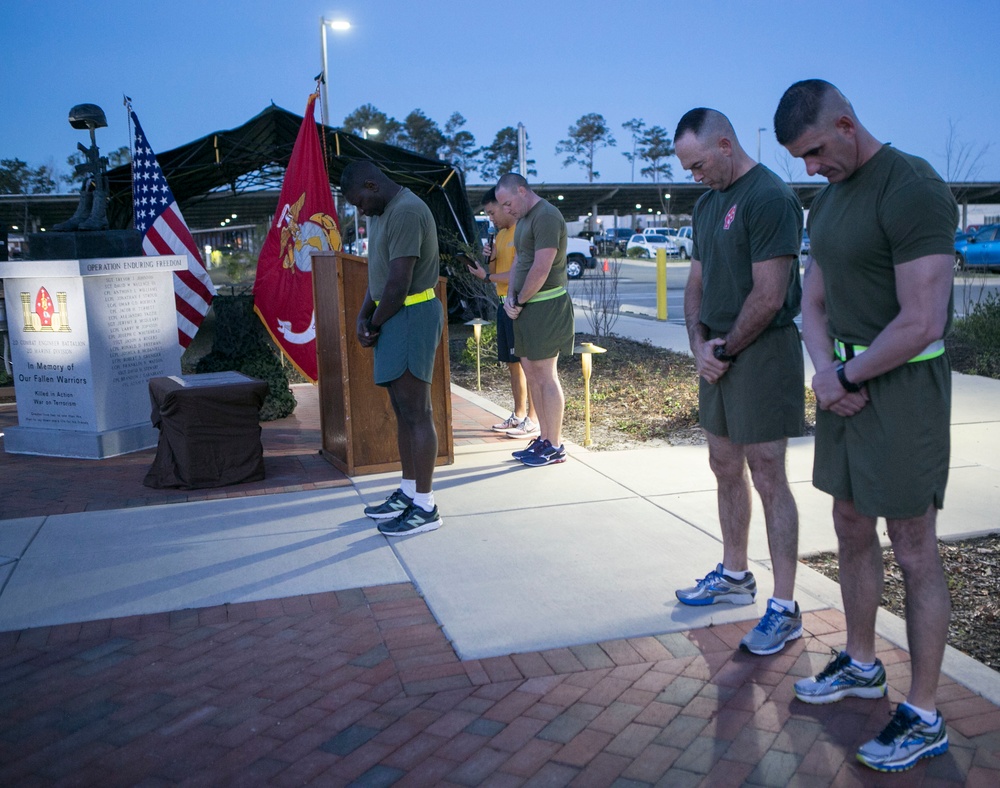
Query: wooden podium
(356,417)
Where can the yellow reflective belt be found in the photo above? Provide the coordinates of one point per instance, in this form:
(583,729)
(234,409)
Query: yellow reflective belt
(933,350)
(417,298)
(546,295)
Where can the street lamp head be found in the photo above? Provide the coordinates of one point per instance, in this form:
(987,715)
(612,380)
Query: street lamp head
(372,132)
(337,24)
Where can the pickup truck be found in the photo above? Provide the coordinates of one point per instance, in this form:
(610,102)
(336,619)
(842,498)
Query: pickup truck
(580,255)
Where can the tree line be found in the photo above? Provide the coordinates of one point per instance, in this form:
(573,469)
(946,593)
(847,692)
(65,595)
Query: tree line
(650,145)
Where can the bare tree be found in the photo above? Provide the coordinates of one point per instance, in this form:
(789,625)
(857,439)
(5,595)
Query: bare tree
(603,307)
(587,136)
(963,162)
(634,127)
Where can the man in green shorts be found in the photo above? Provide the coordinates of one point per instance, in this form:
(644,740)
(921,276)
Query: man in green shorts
(876,306)
(540,306)
(402,320)
(742,295)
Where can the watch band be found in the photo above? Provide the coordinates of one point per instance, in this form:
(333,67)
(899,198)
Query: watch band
(850,387)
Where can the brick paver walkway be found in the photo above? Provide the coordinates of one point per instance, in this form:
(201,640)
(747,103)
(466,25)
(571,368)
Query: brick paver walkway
(362,688)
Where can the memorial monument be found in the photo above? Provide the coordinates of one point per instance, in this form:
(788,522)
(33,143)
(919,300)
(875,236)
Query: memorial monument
(91,320)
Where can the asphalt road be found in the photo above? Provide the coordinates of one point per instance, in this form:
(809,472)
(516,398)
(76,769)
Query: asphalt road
(637,288)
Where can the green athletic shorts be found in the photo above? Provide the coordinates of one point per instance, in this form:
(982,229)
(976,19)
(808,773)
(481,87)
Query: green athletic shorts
(890,459)
(762,397)
(408,341)
(544,329)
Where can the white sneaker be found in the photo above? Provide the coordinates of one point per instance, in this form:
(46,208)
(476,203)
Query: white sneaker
(525,428)
(508,423)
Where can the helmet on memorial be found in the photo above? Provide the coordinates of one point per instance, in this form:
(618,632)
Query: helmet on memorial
(87,116)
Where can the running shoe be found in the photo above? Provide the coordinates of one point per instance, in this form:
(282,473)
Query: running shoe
(775,629)
(393,506)
(525,428)
(905,740)
(715,587)
(508,423)
(842,679)
(529,449)
(546,454)
(413,521)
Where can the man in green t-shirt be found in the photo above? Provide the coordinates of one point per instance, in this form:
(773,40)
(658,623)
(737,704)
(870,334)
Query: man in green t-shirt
(539,304)
(402,320)
(740,301)
(876,307)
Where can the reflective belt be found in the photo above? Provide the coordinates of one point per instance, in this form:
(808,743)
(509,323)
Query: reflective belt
(845,351)
(547,295)
(417,298)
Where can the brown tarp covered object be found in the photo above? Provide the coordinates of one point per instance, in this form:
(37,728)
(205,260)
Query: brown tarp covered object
(209,430)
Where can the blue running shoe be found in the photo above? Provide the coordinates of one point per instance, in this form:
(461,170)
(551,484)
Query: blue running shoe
(413,521)
(391,507)
(905,740)
(715,587)
(546,454)
(842,679)
(775,629)
(535,444)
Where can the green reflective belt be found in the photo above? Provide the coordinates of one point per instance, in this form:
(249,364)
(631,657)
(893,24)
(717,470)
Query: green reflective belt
(547,295)
(845,351)
(417,298)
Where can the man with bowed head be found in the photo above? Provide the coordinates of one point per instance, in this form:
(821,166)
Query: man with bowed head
(876,307)
(540,306)
(402,320)
(740,301)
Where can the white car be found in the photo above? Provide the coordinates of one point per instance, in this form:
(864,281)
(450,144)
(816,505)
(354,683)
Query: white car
(681,238)
(650,243)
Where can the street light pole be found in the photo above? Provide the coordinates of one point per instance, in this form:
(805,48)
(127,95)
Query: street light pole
(333,24)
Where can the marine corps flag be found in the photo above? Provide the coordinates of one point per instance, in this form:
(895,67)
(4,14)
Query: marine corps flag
(306,221)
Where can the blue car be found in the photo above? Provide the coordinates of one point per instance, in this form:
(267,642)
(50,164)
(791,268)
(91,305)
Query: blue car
(980,250)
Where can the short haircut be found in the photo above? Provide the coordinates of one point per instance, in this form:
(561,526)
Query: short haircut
(512,181)
(703,120)
(356,173)
(799,109)
(490,196)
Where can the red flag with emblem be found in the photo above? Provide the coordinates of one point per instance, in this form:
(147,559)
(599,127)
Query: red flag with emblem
(305,222)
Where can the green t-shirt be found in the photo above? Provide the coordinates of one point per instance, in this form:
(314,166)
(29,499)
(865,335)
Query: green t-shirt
(543,227)
(405,229)
(893,210)
(757,218)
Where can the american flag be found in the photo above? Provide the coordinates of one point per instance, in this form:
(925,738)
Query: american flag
(164,231)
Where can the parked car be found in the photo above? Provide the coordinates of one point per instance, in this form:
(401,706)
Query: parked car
(580,255)
(684,241)
(614,239)
(650,244)
(981,250)
(804,246)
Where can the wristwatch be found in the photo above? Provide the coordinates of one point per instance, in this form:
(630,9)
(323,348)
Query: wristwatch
(488,277)
(517,304)
(719,351)
(852,388)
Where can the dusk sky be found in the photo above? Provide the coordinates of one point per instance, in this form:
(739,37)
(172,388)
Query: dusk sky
(910,67)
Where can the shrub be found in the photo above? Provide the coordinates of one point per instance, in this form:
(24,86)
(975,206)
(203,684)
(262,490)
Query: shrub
(487,347)
(975,341)
(241,345)
(636,251)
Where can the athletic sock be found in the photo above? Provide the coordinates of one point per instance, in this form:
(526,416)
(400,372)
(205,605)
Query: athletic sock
(409,487)
(864,667)
(734,575)
(788,605)
(928,717)
(424,500)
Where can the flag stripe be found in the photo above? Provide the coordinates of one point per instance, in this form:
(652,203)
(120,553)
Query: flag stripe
(158,217)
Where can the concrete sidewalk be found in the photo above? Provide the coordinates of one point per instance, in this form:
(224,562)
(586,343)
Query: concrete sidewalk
(543,612)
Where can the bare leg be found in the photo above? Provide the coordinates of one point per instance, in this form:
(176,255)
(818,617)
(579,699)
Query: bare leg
(728,463)
(928,606)
(417,437)
(519,390)
(767,468)
(547,396)
(861,577)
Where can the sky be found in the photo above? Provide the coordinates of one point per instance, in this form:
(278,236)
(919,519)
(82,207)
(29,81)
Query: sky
(913,69)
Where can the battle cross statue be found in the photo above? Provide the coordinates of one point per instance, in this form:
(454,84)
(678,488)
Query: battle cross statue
(92,210)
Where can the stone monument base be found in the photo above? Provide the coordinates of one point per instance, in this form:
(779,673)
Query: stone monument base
(84,245)
(80,445)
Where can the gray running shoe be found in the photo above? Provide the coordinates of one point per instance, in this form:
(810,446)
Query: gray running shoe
(393,506)
(840,679)
(525,428)
(413,521)
(775,629)
(508,423)
(905,740)
(715,587)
